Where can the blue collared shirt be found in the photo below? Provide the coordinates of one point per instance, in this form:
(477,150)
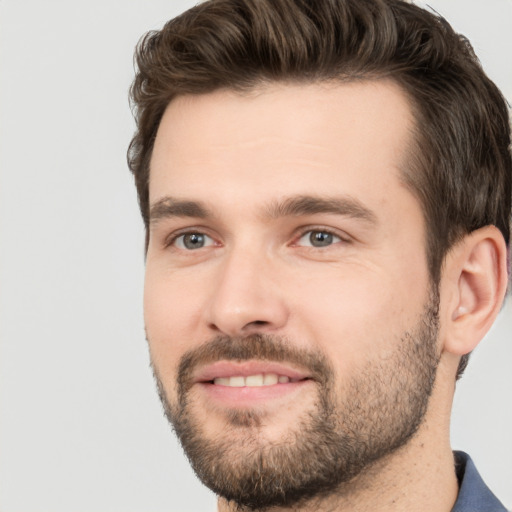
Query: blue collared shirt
(474,495)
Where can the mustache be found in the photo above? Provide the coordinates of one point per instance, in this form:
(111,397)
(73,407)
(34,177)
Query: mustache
(263,347)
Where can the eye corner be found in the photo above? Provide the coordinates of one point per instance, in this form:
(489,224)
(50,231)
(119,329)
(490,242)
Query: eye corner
(318,238)
(192,241)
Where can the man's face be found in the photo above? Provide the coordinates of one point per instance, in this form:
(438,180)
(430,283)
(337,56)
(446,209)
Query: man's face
(291,323)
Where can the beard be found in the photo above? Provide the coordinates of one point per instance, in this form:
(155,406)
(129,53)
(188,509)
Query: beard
(351,424)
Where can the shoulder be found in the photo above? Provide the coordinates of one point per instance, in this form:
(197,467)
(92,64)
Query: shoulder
(474,495)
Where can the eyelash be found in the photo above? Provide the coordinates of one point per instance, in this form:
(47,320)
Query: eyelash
(320,229)
(173,237)
(171,240)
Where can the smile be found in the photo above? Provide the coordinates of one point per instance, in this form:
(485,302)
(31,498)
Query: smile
(243,384)
(259,380)
(249,374)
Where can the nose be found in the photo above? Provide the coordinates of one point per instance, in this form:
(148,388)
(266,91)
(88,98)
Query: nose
(246,296)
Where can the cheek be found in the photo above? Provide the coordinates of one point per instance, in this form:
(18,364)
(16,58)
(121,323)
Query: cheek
(171,315)
(359,315)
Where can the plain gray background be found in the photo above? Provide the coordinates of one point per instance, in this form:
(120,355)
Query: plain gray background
(81,428)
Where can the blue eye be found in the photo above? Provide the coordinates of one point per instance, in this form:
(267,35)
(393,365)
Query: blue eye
(318,238)
(191,241)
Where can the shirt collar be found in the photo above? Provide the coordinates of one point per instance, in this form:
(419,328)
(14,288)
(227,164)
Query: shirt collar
(474,495)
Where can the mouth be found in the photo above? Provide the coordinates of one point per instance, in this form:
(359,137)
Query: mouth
(244,383)
(253,381)
(249,374)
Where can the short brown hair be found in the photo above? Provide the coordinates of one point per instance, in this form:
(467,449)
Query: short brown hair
(460,167)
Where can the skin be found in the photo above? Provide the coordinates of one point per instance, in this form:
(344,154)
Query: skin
(240,155)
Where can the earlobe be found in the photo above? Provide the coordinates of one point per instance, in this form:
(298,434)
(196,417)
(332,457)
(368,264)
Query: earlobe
(478,269)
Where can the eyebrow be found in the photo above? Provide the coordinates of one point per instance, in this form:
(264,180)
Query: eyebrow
(310,205)
(168,207)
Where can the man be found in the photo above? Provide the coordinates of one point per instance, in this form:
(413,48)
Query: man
(326,187)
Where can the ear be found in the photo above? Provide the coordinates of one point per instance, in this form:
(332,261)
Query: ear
(475,283)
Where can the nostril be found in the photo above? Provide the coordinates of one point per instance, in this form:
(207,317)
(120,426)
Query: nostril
(256,324)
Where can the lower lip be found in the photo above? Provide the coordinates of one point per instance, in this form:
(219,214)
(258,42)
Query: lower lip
(249,396)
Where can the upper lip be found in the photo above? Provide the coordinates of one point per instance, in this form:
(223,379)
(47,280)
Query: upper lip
(245,368)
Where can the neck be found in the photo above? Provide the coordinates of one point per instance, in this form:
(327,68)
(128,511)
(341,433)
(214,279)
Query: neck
(389,486)
(419,477)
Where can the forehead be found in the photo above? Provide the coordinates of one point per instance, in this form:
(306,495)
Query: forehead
(283,139)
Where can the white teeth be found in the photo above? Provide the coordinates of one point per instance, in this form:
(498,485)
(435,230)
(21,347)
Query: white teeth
(254,380)
(267,379)
(270,379)
(222,381)
(236,382)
